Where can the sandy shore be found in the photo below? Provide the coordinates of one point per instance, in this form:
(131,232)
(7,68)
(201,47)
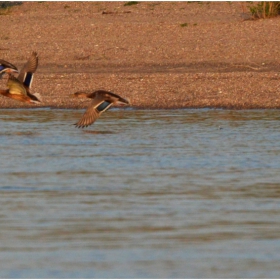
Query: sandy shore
(157,54)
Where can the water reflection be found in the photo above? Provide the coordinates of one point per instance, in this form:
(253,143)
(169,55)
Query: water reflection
(98,132)
(162,193)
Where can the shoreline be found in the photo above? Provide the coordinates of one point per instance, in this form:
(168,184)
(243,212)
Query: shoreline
(160,90)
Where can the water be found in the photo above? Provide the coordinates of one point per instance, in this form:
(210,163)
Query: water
(140,194)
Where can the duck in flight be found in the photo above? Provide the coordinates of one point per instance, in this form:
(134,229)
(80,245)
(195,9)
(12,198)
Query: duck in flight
(7,67)
(19,88)
(102,100)
(17,91)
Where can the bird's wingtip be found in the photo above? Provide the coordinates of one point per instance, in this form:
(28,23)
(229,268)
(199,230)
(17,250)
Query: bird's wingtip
(38,96)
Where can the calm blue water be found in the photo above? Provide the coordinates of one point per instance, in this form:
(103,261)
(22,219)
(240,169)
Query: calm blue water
(140,194)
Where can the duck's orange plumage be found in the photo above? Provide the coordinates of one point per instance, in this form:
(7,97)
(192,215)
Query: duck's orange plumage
(17,91)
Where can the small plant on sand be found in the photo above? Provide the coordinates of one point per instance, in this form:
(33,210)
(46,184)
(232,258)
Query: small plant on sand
(4,11)
(130,3)
(184,24)
(265,9)
(5,6)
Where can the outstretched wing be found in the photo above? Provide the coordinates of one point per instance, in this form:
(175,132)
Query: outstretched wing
(112,97)
(93,112)
(88,118)
(16,87)
(26,73)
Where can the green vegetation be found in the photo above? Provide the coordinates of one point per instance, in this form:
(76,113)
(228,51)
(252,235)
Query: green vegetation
(130,3)
(4,11)
(264,9)
(5,6)
(8,4)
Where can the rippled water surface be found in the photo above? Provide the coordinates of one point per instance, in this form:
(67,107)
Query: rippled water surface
(158,194)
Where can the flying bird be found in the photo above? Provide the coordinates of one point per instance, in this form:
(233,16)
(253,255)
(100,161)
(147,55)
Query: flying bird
(19,88)
(17,91)
(102,100)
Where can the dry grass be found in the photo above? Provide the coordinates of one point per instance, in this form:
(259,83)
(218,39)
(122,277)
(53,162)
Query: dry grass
(265,9)
(5,7)
(5,11)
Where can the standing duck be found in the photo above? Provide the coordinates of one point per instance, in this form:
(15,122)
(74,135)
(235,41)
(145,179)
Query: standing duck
(102,100)
(7,67)
(17,91)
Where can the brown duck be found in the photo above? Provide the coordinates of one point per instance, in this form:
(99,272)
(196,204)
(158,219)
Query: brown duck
(102,100)
(19,88)
(17,91)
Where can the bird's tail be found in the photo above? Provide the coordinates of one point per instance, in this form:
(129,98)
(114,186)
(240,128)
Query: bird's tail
(38,97)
